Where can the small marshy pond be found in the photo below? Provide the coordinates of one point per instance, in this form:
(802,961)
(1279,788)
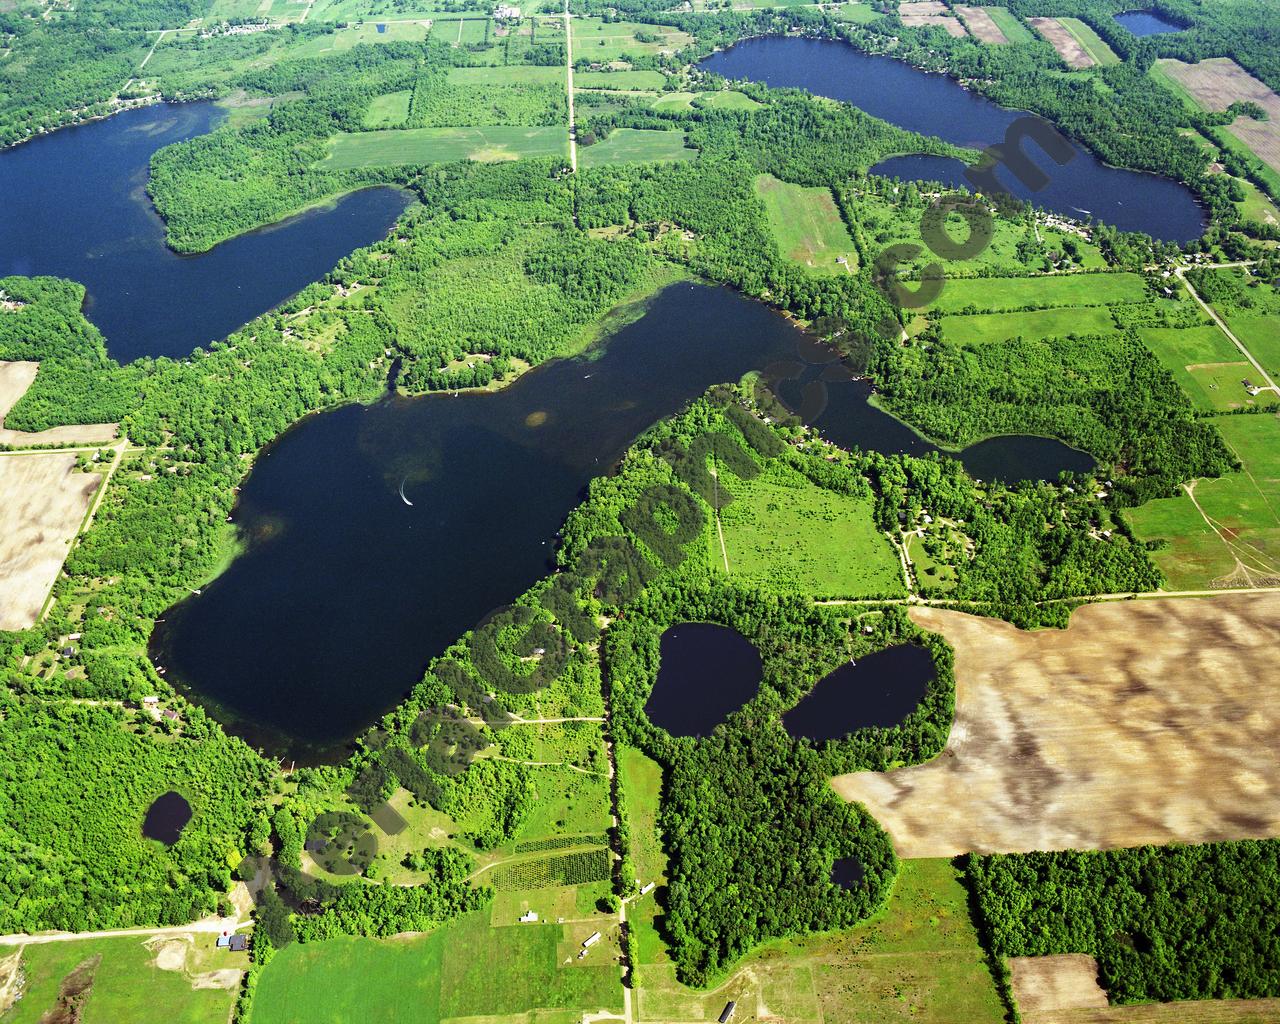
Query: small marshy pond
(166,818)
(705,673)
(877,691)
(847,872)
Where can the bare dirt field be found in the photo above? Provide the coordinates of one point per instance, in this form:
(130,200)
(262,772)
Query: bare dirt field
(1208,1011)
(982,25)
(1068,47)
(1044,984)
(923,13)
(15,378)
(1149,721)
(1217,83)
(43,500)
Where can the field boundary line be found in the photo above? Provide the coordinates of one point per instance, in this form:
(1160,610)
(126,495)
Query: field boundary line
(1181,274)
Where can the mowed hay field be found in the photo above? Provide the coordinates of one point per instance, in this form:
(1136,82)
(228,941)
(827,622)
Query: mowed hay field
(1149,721)
(918,961)
(443,145)
(806,225)
(636,145)
(15,379)
(980,23)
(1215,84)
(43,501)
(995,294)
(926,13)
(1069,48)
(1032,325)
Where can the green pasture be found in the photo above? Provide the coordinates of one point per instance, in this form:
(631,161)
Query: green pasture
(998,294)
(1204,362)
(390,111)
(127,985)
(637,145)
(463,969)
(784,531)
(918,960)
(673,101)
(1242,544)
(622,80)
(515,74)
(442,145)
(725,99)
(859,14)
(807,226)
(1034,325)
(598,41)
(1013,29)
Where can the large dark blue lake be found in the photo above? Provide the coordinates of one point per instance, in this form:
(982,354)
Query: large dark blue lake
(74,204)
(937,105)
(346,589)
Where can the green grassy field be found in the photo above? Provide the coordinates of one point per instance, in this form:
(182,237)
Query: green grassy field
(1204,362)
(919,960)
(678,101)
(784,530)
(1013,29)
(625,80)
(1033,325)
(1238,543)
(859,14)
(636,145)
(725,99)
(807,226)
(127,985)
(464,969)
(996,294)
(1091,41)
(442,145)
(390,111)
(598,41)
(514,75)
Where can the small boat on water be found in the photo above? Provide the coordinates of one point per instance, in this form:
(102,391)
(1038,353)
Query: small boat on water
(402,495)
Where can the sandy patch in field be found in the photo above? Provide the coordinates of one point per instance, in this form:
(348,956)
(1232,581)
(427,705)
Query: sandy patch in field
(1208,1011)
(1150,721)
(43,500)
(171,954)
(10,979)
(923,13)
(1068,47)
(1217,83)
(981,24)
(1065,982)
(228,978)
(15,379)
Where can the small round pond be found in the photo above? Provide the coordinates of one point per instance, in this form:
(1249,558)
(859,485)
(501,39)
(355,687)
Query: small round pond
(166,818)
(1147,23)
(877,691)
(705,673)
(847,872)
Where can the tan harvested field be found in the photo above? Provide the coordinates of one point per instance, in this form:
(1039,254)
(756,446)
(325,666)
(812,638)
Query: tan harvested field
(43,500)
(15,378)
(981,24)
(923,13)
(1043,984)
(1068,47)
(1217,83)
(1149,721)
(1207,1011)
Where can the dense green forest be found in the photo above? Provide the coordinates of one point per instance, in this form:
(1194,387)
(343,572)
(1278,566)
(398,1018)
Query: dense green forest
(1164,923)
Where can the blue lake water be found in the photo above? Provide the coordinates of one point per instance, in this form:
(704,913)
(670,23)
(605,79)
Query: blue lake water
(74,204)
(937,105)
(1147,23)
